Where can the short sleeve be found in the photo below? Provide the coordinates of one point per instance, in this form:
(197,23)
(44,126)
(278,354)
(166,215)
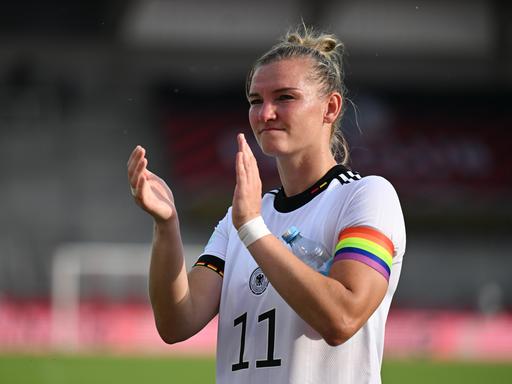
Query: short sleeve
(371,228)
(214,254)
(218,242)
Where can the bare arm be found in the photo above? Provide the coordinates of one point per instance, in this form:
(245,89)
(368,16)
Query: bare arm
(182,304)
(336,306)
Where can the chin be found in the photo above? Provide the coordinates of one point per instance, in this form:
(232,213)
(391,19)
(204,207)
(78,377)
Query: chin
(272,149)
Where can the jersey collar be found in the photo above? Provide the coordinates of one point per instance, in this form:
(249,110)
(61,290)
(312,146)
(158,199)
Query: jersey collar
(284,204)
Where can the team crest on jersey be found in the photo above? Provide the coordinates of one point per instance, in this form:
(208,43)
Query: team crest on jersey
(258,281)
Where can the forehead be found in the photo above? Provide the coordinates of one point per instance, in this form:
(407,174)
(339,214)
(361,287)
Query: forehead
(286,73)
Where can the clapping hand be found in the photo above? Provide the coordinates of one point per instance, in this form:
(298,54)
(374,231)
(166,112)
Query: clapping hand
(150,192)
(247,195)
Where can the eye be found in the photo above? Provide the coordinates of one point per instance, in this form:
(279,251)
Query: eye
(254,101)
(285,97)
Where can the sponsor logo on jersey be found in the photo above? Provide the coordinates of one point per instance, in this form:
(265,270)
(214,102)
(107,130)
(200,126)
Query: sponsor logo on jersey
(258,282)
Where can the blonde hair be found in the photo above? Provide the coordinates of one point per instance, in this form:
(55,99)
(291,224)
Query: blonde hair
(326,51)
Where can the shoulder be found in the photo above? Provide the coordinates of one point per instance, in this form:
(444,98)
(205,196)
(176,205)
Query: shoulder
(371,187)
(372,181)
(374,202)
(369,196)
(225,223)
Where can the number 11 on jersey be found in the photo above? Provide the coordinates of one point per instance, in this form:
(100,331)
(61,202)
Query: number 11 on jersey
(270,361)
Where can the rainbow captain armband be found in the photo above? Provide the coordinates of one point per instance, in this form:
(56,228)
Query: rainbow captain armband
(368,246)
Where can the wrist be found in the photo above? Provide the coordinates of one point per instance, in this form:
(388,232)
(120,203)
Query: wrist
(253,230)
(166,225)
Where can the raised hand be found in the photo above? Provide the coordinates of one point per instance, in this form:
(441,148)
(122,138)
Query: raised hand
(150,192)
(247,195)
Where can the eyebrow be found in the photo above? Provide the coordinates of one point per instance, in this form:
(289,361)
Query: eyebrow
(279,90)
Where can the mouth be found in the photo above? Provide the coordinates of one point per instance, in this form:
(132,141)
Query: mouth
(270,129)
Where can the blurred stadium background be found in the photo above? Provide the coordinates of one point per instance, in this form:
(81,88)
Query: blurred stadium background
(82,83)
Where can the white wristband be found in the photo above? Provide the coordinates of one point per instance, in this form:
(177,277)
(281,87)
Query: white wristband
(253,230)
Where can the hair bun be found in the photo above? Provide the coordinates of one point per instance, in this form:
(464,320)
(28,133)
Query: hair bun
(294,38)
(325,44)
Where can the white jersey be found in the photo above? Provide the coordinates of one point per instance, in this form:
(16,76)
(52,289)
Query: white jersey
(260,337)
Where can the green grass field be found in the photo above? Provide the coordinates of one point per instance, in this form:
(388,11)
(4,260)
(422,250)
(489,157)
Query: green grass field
(107,369)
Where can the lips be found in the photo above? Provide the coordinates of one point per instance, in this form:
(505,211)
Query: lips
(270,129)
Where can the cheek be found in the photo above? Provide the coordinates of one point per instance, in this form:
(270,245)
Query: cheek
(314,114)
(253,118)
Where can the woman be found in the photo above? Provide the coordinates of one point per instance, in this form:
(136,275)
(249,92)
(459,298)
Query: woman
(279,319)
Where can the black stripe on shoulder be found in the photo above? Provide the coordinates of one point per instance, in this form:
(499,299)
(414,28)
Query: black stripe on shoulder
(348,176)
(214,263)
(273,192)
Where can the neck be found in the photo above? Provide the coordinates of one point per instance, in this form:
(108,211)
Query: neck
(298,173)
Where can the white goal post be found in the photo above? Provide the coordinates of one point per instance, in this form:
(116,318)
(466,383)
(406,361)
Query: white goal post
(73,261)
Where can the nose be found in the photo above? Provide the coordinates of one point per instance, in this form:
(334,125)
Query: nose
(267,112)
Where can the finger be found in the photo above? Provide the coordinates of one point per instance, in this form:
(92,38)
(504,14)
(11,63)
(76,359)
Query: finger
(137,154)
(133,174)
(139,171)
(141,183)
(241,175)
(247,147)
(138,188)
(246,151)
(240,139)
(242,152)
(251,164)
(136,163)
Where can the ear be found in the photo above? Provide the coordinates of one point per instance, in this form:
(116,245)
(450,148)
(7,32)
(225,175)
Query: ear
(333,107)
